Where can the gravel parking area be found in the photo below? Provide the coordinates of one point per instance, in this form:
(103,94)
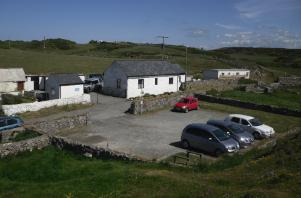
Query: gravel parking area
(150,136)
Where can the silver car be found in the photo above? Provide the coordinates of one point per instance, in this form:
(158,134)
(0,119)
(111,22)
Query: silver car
(208,138)
(243,137)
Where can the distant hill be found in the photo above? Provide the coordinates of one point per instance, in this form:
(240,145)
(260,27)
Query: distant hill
(61,55)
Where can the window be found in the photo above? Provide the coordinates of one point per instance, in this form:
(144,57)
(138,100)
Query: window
(140,83)
(156,81)
(52,91)
(229,74)
(76,89)
(118,83)
(237,73)
(11,121)
(244,122)
(234,119)
(223,74)
(171,80)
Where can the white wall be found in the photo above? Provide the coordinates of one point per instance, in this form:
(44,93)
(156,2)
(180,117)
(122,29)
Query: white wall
(68,91)
(36,106)
(150,87)
(233,74)
(29,85)
(7,87)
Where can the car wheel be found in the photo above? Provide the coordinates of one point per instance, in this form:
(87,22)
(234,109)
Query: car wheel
(256,135)
(185,144)
(217,152)
(186,110)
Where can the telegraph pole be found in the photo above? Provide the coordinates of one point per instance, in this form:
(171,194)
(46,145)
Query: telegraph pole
(163,43)
(44,43)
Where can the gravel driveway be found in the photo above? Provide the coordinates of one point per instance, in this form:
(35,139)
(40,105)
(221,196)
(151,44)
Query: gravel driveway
(148,136)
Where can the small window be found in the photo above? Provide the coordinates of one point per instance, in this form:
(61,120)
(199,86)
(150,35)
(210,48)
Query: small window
(76,89)
(229,74)
(140,83)
(171,81)
(223,74)
(244,122)
(11,121)
(156,81)
(237,73)
(118,83)
(234,119)
(52,91)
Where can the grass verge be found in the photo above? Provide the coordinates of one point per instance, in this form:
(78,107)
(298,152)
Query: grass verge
(53,110)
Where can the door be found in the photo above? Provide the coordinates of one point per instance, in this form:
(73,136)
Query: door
(20,86)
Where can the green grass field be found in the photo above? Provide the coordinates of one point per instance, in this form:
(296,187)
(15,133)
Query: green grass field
(270,172)
(279,98)
(89,58)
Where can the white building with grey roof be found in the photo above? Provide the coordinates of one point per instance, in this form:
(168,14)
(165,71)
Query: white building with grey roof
(226,74)
(59,86)
(134,78)
(12,80)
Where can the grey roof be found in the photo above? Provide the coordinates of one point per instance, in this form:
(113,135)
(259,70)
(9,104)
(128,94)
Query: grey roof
(12,75)
(133,68)
(64,79)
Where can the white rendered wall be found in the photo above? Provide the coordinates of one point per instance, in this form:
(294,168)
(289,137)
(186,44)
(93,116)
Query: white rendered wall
(150,87)
(36,106)
(29,85)
(233,74)
(68,91)
(7,87)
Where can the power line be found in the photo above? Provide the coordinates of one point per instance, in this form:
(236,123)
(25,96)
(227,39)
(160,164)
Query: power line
(163,40)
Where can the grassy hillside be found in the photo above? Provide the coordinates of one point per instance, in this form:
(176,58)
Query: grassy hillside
(268,172)
(66,56)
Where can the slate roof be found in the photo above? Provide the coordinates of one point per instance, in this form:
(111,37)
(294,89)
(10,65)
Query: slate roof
(12,75)
(64,79)
(136,68)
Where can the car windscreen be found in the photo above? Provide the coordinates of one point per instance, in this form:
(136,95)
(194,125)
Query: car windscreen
(255,122)
(236,129)
(184,100)
(221,135)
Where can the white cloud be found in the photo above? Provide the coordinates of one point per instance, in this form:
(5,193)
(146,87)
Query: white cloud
(229,27)
(272,38)
(254,8)
(197,32)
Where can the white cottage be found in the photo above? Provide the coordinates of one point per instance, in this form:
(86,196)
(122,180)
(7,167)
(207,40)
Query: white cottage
(226,74)
(133,78)
(12,81)
(64,86)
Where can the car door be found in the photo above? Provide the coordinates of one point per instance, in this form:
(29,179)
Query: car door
(194,104)
(11,123)
(2,124)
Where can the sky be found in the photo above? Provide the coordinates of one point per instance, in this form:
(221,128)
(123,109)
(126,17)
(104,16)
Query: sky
(196,23)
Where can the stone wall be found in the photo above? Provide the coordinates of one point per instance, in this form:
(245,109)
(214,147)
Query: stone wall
(52,126)
(290,81)
(6,135)
(90,151)
(36,106)
(249,105)
(206,85)
(25,145)
(156,102)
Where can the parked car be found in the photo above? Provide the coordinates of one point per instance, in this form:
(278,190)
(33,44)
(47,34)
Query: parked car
(260,130)
(186,104)
(237,132)
(10,122)
(93,84)
(208,138)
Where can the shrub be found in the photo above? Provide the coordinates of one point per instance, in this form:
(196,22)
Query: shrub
(213,92)
(8,99)
(246,81)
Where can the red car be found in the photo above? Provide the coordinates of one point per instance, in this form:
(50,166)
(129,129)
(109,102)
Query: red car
(186,104)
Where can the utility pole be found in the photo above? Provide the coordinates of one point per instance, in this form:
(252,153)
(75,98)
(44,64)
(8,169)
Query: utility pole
(163,43)
(44,43)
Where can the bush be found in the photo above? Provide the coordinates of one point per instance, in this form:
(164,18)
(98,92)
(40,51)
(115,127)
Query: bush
(213,92)
(27,134)
(8,99)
